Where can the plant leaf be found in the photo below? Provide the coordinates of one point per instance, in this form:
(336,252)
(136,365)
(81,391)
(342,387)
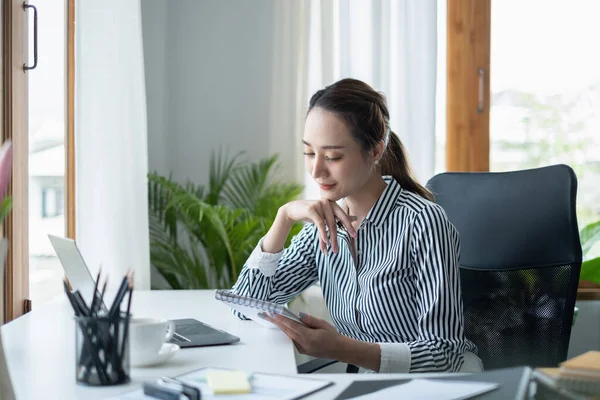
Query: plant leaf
(5,208)
(219,173)
(247,183)
(590,270)
(589,235)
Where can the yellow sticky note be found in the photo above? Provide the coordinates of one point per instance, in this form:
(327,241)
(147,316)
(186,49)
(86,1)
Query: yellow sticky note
(228,382)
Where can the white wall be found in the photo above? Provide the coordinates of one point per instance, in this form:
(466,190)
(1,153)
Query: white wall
(208,73)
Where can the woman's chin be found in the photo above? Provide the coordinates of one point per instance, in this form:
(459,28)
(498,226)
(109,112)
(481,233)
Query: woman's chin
(331,195)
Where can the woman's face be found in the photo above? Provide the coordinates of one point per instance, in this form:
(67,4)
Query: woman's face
(332,157)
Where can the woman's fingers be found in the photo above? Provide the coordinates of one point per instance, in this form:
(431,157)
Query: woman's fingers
(325,215)
(317,218)
(330,219)
(292,329)
(344,218)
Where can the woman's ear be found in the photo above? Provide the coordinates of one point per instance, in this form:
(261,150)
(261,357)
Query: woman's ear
(378,151)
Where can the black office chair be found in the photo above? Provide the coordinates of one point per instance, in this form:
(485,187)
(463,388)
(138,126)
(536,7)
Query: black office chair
(520,260)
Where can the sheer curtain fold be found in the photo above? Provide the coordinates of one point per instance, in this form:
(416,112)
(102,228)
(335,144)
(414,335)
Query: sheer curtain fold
(288,83)
(111,140)
(390,44)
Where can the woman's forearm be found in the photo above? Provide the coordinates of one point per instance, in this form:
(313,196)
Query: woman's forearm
(361,354)
(275,239)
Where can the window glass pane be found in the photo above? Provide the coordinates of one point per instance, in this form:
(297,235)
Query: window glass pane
(545,84)
(47,152)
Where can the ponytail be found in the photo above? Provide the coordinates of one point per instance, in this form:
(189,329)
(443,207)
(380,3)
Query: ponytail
(395,163)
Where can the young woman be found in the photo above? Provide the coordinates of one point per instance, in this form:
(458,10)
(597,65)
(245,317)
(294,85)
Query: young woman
(385,255)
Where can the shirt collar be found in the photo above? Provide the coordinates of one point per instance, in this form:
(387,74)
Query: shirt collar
(385,203)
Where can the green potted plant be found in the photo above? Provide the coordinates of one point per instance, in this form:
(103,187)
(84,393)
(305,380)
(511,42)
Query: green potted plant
(200,236)
(590,268)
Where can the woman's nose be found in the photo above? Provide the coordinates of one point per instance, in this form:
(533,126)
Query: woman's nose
(319,169)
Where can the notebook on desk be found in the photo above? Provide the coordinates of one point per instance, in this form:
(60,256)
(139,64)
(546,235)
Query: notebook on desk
(513,384)
(188,332)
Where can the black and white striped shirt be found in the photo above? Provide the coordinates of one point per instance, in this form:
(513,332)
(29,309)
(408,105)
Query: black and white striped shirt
(403,292)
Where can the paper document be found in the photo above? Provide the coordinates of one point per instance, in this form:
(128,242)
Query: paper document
(263,386)
(426,389)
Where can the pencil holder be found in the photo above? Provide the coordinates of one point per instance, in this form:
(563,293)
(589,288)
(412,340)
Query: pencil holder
(102,350)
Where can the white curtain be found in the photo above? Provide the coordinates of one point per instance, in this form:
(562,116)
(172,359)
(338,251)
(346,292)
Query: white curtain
(111,140)
(289,84)
(390,44)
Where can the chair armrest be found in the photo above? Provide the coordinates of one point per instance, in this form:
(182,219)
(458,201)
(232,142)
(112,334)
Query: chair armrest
(314,365)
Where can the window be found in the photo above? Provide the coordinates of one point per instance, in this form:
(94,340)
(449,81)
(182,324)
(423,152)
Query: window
(52,202)
(47,127)
(545,92)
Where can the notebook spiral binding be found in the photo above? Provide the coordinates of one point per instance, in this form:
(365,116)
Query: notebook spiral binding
(228,296)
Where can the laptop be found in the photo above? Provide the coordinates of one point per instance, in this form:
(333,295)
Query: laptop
(189,332)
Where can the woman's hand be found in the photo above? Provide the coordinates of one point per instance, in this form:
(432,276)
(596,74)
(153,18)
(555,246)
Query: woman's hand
(317,339)
(324,214)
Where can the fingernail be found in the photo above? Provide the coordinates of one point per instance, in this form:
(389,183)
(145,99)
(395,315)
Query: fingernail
(262,315)
(301,315)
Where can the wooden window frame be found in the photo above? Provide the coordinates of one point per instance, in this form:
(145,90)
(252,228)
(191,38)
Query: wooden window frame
(14,123)
(15,127)
(468,85)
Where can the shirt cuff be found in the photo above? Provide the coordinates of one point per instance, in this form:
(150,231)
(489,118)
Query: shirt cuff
(395,358)
(264,262)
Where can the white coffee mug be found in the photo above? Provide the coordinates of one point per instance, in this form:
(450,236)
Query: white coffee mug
(148,335)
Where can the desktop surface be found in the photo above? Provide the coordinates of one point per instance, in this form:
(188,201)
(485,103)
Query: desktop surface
(40,349)
(40,346)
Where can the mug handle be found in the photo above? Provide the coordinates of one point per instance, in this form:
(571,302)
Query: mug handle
(170,330)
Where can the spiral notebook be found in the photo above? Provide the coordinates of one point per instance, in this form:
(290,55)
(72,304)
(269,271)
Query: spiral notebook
(250,307)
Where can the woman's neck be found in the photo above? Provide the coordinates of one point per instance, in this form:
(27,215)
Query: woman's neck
(360,203)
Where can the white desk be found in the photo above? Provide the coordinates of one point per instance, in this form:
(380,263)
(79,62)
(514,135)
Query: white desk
(40,348)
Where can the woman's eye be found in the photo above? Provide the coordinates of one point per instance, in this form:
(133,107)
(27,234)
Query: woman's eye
(326,157)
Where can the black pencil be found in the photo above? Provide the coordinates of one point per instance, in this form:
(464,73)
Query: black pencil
(74,305)
(95,296)
(101,299)
(81,302)
(116,305)
(126,331)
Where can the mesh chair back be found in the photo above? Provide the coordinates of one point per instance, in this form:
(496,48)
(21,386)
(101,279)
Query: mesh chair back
(520,260)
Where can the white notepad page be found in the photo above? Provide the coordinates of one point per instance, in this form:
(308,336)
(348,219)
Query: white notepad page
(427,389)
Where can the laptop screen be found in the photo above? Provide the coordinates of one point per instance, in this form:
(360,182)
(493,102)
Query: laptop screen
(74,266)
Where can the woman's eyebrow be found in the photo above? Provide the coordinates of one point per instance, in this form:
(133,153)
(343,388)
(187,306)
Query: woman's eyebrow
(329,147)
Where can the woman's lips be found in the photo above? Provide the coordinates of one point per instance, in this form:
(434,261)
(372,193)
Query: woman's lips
(326,187)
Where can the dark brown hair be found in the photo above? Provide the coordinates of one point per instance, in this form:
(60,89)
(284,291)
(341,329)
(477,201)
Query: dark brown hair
(366,113)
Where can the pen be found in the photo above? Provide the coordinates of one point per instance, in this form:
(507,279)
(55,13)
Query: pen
(119,297)
(95,296)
